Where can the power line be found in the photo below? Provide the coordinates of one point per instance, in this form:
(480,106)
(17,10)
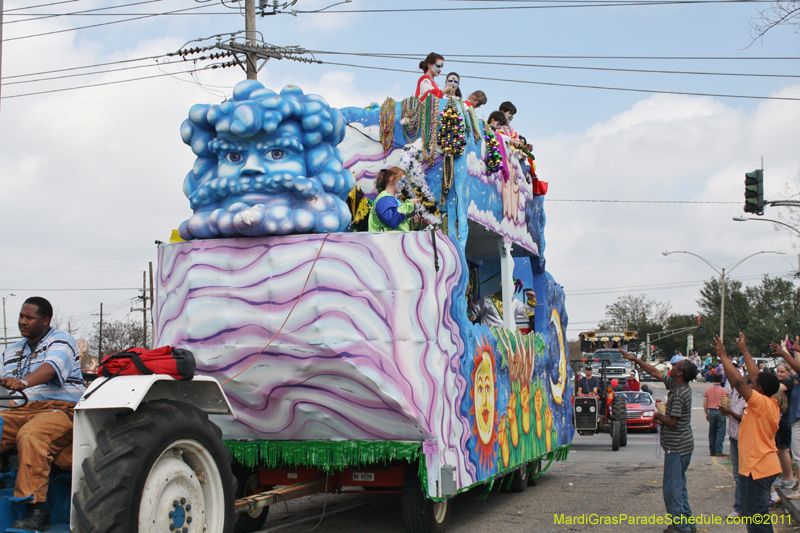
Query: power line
(573,67)
(209,67)
(105,23)
(564,4)
(40,16)
(662,286)
(120,62)
(640,201)
(649,58)
(70,290)
(7,11)
(578,86)
(52,15)
(81,74)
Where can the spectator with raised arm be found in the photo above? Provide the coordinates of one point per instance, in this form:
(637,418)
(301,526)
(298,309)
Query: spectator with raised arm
(676,438)
(758,455)
(793,418)
(734,413)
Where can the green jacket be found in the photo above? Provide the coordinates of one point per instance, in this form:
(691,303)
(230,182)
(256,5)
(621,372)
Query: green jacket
(406,208)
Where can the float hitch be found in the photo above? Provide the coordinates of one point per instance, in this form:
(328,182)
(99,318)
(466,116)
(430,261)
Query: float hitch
(289,492)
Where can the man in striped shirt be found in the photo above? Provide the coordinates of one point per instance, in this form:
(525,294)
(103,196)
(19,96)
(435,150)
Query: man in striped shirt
(46,366)
(676,439)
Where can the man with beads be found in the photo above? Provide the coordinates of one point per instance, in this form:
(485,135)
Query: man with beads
(46,366)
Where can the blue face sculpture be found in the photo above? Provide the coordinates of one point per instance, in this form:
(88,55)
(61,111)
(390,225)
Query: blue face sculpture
(266,164)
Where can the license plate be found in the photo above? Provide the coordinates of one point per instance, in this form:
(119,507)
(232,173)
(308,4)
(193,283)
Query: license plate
(363,476)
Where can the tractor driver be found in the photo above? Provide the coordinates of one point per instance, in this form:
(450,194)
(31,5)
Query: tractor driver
(45,364)
(588,383)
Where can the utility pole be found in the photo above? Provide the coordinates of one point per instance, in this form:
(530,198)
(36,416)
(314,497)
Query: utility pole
(144,309)
(152,318)
(100,336)
(1,38)
(250,34)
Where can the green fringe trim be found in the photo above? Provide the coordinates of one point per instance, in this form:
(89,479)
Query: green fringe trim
(328,456)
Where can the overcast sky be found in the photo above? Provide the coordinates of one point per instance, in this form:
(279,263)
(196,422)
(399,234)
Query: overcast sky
(92,177)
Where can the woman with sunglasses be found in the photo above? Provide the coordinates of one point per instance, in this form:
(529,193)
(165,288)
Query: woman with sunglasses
(431,66)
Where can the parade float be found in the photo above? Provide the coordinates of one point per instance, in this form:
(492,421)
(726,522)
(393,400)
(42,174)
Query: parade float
(348,356)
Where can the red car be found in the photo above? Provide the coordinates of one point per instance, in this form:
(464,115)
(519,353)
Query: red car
(641,408)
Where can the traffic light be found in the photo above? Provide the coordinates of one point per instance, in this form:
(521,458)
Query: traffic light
(754,192)
(701,323)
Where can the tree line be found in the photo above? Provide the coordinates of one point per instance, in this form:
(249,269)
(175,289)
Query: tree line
(765,313)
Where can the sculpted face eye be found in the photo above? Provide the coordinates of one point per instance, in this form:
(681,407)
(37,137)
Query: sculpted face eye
(276,154)
(234,157)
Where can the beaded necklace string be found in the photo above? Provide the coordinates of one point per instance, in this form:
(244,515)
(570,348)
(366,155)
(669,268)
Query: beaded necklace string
(410,110)
(387,125)
(24,370)
(430,123)
(452,140)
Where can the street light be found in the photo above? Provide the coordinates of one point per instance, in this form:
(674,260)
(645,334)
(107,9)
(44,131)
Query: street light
(722,280)
(745,219)
(5,329)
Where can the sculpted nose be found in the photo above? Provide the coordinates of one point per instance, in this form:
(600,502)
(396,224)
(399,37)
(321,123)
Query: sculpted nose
(254,165)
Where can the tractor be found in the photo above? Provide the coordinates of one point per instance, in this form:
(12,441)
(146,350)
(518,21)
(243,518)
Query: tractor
(604,411)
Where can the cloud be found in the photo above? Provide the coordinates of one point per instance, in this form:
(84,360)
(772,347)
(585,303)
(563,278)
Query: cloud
(664,148)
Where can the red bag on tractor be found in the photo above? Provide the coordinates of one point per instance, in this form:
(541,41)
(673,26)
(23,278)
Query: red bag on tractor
(175,362)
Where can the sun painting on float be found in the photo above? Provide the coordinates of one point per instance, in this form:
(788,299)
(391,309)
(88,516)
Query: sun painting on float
(484,396)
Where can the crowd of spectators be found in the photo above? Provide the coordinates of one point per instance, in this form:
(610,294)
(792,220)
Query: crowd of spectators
(757,409)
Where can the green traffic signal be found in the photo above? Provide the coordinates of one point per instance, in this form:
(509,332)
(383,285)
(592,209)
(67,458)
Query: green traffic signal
(754,192)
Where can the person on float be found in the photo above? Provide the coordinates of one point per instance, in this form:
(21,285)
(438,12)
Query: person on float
(431,67)
(509,110)
(453,80)
(489,309)
(476,99)
(388,213)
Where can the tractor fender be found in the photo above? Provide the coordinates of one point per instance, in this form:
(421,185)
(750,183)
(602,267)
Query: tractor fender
(126,394)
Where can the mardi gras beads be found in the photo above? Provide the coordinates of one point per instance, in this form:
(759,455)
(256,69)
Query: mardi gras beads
(494,160)
(451,137)
(452,142)
(387,125)
(410,118)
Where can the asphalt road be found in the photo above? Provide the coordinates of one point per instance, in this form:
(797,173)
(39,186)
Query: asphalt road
(594,481)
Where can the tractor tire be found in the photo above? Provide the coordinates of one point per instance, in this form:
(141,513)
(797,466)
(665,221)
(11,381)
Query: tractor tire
(646,388)
(519,479)
(164,465)
(619,413)
(615,436)
(420,514)
(247,484)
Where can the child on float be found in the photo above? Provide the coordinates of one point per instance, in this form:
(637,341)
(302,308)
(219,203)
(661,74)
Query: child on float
(453,80)
(497,120)
(431,67)
(476,99)
(509,110)
(387,213)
